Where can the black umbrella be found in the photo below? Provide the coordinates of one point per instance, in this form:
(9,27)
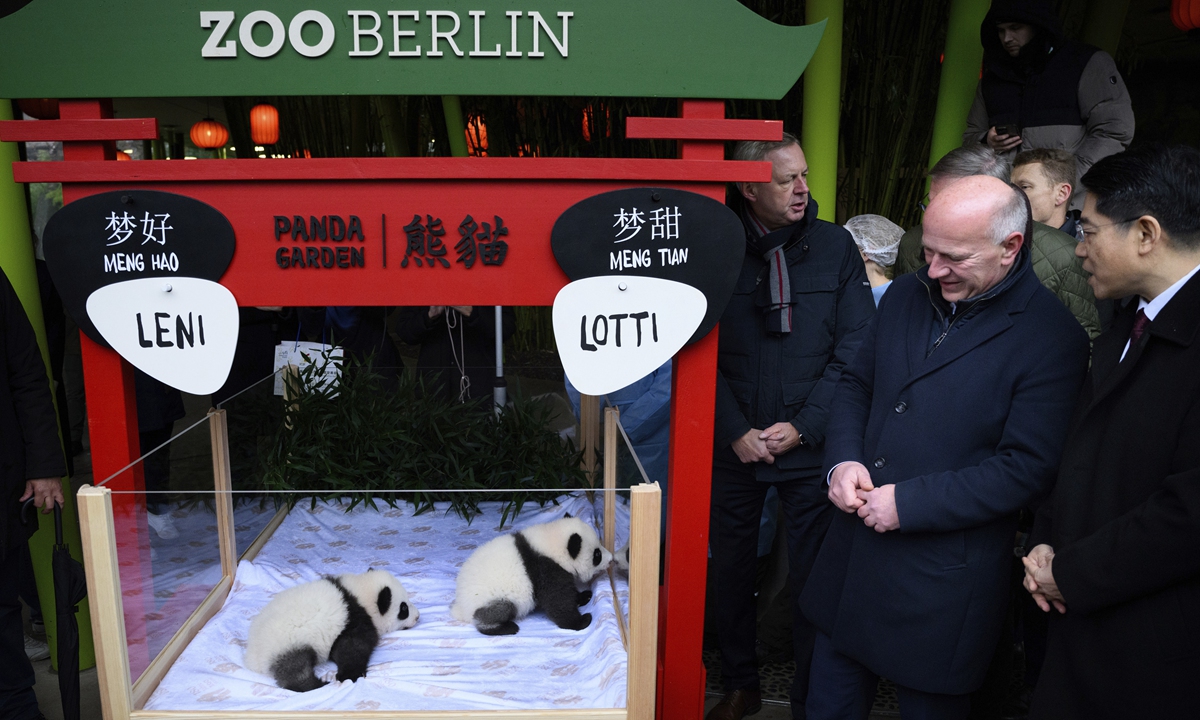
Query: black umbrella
(70,588)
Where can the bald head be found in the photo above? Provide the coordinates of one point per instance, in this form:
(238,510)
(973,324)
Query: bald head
(973,231)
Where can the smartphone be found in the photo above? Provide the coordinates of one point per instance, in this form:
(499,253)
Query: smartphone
(1008,130)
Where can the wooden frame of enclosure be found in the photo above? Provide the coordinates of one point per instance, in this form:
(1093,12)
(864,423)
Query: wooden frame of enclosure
(121,698)
(530,194)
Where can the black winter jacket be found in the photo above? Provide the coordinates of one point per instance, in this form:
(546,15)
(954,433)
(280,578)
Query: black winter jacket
(767,378)
(29,444)
(1059,93)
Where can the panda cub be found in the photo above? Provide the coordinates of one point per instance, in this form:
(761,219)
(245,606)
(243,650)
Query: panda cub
(338,618)
(540,566)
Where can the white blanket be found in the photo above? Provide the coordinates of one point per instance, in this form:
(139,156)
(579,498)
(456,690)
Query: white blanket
(440,664)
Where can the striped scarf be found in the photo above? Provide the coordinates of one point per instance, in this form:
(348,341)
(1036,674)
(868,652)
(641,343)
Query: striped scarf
(779,311)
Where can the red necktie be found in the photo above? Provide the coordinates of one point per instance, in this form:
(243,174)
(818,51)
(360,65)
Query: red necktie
(1140,324)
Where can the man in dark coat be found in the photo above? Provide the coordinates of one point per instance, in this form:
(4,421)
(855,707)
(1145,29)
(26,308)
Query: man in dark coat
(798,311)
(1116,549)
(31,465)
(949,420)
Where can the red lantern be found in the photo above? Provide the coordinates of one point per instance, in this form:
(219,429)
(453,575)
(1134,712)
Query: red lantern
(264,124)
(476,137)
(39,109)
(1185,14)
(209,133)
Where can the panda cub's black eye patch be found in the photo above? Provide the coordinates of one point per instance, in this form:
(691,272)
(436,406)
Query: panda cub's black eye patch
(403,611)
(385,600)
(596,556)
(574,545)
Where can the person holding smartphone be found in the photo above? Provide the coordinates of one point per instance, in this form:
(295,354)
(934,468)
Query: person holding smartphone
(1042,90)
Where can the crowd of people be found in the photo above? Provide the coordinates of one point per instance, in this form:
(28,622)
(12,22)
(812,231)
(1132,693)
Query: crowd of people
(906,441)
(1023,381)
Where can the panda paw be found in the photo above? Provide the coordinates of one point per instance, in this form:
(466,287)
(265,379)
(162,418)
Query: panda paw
(327,672)
(583,598)
(584,620)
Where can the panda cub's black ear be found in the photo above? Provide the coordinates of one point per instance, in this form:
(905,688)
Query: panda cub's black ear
(385,600)
(574,545)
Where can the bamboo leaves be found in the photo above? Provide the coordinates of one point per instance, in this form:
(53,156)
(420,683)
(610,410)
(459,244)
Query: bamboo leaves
(368,436)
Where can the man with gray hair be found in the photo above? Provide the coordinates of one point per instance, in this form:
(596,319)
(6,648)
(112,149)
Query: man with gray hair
(799,308)
(1052,251)
(948,421)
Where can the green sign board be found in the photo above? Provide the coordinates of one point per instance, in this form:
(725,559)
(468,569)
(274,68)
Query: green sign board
(159,48)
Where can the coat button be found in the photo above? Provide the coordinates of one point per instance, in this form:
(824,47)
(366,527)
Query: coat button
(880,462)
(901,406)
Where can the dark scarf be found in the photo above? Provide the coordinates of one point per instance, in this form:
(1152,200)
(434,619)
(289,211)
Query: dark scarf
(770,245)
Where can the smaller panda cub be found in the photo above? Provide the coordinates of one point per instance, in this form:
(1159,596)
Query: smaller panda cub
(541,566)
(338,618)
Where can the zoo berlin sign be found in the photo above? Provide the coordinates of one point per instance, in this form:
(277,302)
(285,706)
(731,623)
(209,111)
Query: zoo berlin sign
(140,48)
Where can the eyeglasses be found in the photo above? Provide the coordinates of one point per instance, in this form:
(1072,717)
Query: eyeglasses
(1091,229)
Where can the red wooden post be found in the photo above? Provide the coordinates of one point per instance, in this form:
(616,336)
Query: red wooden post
(693,394)
(112,421)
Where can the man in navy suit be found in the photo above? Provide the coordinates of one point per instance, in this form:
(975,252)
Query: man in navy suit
(1117,547)
(949,420)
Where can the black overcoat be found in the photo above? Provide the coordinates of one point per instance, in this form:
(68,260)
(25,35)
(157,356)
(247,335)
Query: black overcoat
(1124,521)
(969,433)
(29,444)
(764,378)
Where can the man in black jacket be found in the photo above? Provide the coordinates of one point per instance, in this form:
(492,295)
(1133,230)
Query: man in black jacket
(31,465)
(1041,90)
(1117,547)
(795,319)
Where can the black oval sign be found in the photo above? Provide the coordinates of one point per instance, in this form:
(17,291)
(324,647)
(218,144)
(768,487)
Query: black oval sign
(656,232)
(8,7)
(129,234)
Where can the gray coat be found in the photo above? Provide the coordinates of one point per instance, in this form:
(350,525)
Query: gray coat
(1107,119)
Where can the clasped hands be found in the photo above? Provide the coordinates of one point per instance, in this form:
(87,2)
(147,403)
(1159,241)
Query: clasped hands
(766,445)
(1039,579)
(851,490)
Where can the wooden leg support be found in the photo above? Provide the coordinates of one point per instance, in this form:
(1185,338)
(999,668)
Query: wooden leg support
(223,487)
(104,592)
(645,504)
(611,417)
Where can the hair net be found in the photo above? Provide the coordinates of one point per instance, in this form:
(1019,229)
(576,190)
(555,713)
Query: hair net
(877,237)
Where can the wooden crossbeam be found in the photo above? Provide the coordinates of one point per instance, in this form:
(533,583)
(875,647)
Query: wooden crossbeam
(661,128)
(78,130)
(442,168)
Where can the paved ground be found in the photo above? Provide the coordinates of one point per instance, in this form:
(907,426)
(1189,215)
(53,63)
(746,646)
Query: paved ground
(48,698)
(774,710)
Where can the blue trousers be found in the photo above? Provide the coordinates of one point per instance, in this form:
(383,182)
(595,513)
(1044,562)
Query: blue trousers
(843,689)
